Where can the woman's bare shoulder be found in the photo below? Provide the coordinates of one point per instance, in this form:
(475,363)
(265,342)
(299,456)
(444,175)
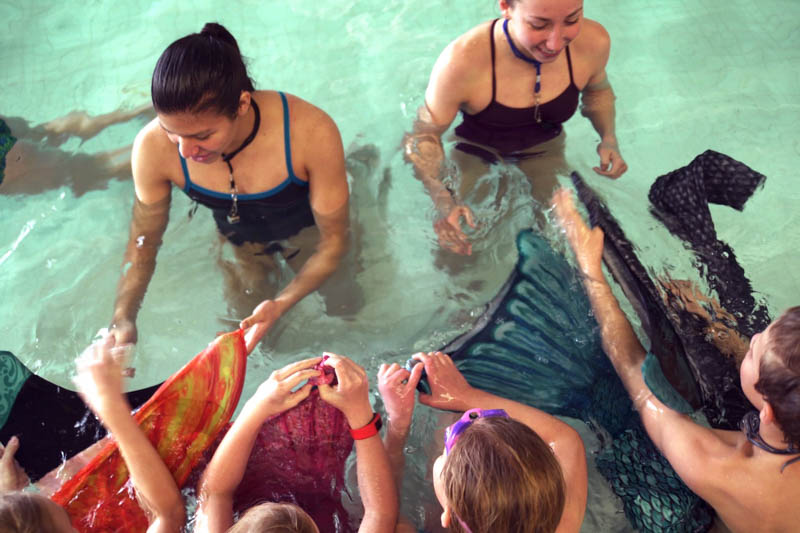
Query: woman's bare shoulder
(593,39)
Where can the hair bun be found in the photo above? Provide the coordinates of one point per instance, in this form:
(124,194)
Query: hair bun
(218,31)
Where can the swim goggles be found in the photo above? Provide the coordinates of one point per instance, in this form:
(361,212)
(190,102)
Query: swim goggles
(452,433)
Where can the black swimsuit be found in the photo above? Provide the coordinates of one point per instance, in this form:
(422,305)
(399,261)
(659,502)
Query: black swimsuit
(267,216)
(512,129)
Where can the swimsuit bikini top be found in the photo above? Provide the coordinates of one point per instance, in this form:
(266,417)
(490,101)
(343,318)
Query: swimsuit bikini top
(511,129)
(266,216)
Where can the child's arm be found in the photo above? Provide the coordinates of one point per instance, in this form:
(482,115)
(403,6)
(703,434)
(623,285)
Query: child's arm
(696,453)
(227,466)
(99,381)
(398,391)
(375,484)
(450,391)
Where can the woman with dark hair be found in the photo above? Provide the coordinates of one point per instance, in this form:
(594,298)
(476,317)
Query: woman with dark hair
(269,165)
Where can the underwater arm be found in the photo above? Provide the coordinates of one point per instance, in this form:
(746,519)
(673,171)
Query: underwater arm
(148,224)
(375,484)
(99,381)
(226,468)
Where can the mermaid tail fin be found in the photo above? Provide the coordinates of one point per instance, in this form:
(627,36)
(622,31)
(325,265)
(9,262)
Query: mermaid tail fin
(538,344)
(655,499)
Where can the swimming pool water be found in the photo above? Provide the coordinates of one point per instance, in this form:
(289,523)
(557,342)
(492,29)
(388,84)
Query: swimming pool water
(688,76)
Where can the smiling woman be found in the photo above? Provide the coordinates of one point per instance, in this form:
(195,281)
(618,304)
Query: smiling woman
(288,179)
(514,93)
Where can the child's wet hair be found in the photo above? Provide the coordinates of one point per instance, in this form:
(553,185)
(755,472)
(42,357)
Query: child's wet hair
(779,374)
(201,72)
(275,518)
(501,476)
(24,512)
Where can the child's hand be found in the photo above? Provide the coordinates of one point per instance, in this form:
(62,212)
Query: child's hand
(100,369)
(12,476)
(587,243)
(275,394)
(397,385)
(449,389)
(351,393)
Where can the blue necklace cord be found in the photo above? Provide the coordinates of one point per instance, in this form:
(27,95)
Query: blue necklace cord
(751,424)
(538,85)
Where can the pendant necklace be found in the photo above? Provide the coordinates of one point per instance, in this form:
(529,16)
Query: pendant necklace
(538,85)
(233,215)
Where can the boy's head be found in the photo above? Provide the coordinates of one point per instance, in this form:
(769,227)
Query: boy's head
(275,518)
(499,476)
(770,373)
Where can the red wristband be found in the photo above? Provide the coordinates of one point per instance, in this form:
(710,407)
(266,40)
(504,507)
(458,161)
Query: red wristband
(370,430)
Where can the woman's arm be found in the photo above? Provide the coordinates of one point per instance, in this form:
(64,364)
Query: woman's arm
(99,382)
(597,102)
(329,196)
(148,223)
(226,469)
(375,484)
(423,148)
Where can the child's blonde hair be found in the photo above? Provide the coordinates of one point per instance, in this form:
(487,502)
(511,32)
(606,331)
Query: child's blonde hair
(24,512)
(275,518)
(501,476)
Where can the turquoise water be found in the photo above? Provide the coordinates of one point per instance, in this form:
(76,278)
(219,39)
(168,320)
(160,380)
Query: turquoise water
(688,76)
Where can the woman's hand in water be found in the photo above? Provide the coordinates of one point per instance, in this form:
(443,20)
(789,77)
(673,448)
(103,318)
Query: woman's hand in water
(611,163)
(586,243)
(12,476)
(277,394)
(397,387)
(263,318)
(448,229)
(449,389)
(351,393)
(99,375)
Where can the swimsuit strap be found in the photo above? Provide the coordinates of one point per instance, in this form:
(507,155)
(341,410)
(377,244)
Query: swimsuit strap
(491,42)
(287,143)
(750,424)
(569,64)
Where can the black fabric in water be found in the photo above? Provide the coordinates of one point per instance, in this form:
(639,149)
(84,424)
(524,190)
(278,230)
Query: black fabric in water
(680,200)
(720,394)
(53,424)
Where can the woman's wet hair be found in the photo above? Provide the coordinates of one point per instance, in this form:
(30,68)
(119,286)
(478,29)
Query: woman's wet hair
(501,476)
(24,512)
(779,374)
(201,72)
(274,518)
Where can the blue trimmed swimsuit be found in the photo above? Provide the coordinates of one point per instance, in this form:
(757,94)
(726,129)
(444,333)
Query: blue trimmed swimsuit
(264,217)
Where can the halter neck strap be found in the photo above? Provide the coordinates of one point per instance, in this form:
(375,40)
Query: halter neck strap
(523,57)
(751,424)
(227,157)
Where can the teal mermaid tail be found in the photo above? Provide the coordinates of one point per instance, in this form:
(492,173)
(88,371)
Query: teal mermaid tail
(13,375)
(538,344)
